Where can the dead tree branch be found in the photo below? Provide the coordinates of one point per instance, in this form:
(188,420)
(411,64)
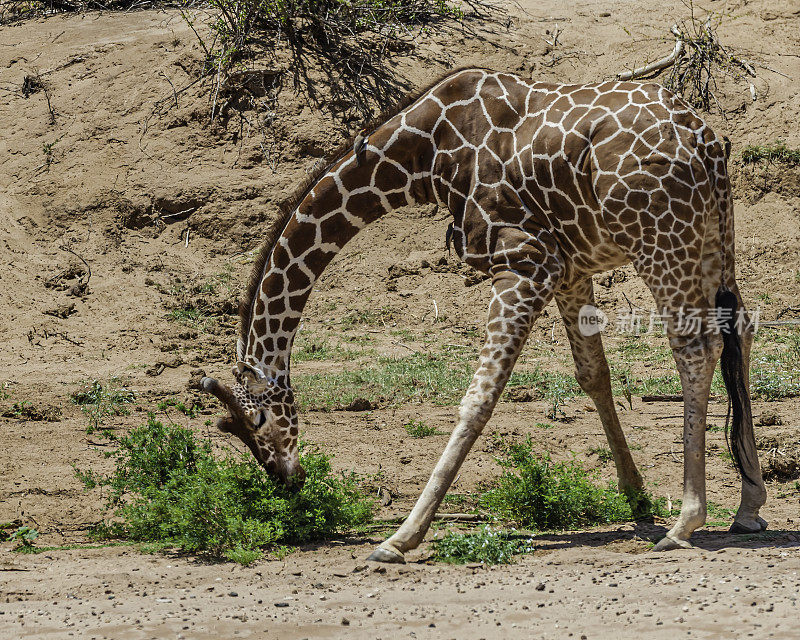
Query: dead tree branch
(658,65)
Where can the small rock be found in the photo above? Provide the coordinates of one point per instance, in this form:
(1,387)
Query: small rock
(540,586)
(769,419)
(281,604)
(360,404)
(194,379)
(233,594)
(345,622)
(62,311)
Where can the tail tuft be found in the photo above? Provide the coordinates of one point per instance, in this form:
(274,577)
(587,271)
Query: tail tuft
(733,374)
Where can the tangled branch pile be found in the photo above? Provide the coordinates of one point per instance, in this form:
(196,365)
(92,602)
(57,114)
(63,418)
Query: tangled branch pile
(350,41)
(13,10)
(695,64)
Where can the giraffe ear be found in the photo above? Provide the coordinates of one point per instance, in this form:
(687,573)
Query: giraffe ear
(252,377)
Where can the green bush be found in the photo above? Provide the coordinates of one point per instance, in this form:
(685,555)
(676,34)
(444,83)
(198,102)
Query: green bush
(487,545)
(540,494)
(168,487)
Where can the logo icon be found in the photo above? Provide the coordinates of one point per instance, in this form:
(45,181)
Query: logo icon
(591,320)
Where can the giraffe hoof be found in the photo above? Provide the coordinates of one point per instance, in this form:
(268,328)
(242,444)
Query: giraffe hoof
(385,555)
(755,526)
(668,544)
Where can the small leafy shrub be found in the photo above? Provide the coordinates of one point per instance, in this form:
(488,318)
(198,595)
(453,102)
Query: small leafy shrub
(487,545)
(537,493)
(98,402)
(418,429)
(24,537)
(603,454)
(167,487)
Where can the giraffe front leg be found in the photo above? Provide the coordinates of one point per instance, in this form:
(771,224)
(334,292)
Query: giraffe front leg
(516,302)
(474,412)
(696,357)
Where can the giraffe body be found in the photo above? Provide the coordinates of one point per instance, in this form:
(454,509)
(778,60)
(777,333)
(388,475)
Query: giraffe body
(547,184)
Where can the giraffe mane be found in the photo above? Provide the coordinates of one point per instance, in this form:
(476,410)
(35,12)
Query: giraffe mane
(288,206)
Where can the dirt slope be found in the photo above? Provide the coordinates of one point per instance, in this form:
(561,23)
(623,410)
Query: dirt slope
(132,181)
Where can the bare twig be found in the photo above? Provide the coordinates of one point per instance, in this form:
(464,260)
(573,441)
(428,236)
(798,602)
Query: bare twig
(84,284)
(174,93)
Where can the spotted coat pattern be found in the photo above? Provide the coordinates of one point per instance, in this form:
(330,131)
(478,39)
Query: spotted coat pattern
(547,184)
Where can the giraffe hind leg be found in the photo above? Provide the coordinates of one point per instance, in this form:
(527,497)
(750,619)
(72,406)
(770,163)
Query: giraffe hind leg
(594,377)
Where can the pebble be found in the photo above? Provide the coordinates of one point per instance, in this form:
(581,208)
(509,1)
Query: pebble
(281,604)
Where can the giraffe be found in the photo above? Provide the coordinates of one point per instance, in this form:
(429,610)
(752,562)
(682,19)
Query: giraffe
(547,184)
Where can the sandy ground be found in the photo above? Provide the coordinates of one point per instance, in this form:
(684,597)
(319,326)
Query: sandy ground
(577,585)
(158,200)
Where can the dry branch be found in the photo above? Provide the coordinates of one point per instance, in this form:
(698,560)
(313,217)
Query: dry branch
(658,65)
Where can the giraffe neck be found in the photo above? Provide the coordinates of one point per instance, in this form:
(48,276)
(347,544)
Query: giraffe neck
(354,192)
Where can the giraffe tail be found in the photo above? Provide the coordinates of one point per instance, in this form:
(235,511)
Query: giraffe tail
(740,413)
(739,421)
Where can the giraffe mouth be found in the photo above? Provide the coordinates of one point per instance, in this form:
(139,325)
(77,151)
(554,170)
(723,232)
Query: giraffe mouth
(241,426)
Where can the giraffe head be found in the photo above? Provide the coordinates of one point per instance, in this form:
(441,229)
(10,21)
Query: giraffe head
(264,417)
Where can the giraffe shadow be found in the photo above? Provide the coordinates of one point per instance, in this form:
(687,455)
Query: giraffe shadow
(641,536)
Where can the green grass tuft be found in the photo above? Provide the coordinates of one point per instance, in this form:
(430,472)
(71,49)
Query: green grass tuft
(777,375)
(418,429)
(603,454)
(773,152)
